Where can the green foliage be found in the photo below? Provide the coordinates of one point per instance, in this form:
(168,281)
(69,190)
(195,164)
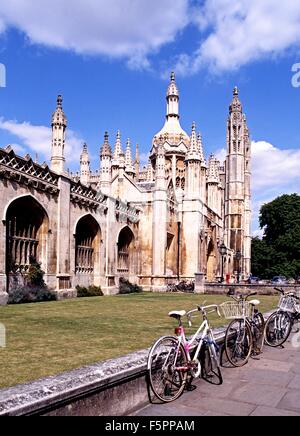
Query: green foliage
(34,290)
(125,287)
(91,291)
(278,253)
(30,294)
(35,275)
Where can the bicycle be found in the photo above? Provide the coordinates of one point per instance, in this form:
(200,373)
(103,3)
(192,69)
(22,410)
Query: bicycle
(188,287)
(279,325)
(170,360)
(244,336)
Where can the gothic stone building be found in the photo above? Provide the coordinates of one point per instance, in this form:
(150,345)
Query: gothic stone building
(154,225)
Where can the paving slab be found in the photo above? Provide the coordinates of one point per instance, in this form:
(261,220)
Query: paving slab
(259,394)
(170,410)
(290,401)
(271,411)
(269,386)
(273,378)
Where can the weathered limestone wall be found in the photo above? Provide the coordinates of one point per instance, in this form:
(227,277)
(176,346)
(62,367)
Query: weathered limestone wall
(11,191)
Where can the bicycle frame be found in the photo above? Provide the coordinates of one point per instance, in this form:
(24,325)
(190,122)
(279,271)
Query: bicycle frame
(188,344)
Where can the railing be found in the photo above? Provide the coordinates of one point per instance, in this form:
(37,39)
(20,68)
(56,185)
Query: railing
(84,259)
(123,262)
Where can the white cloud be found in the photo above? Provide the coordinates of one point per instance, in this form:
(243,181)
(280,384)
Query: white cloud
(238,32)
(116,28)
(38,140)
(274,170)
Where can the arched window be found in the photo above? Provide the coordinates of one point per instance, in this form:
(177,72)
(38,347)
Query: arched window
(26,234)
(87,244)
(125,250)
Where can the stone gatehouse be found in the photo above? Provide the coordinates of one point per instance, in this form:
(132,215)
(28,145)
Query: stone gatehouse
(162,222)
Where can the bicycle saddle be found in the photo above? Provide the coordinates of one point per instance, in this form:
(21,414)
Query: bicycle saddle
(254,302)
(177,314)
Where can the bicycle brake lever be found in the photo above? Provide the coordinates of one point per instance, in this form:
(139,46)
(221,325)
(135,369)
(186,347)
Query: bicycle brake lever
(203,304)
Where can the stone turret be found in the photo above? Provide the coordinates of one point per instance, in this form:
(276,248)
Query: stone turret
(85,170)
(238,194)
(129,167)
(137,162)
(193,167)
(118,151)
(105,171)
(59,125)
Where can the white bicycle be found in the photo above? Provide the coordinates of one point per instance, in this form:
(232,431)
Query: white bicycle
(173,358)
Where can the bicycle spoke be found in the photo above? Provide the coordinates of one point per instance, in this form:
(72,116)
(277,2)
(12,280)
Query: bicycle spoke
(165,363)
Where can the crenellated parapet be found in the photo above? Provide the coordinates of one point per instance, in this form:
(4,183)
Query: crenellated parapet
(88,197)
(125,212)
(27,172)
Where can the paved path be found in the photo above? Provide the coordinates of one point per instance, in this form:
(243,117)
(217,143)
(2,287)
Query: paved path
(266,387)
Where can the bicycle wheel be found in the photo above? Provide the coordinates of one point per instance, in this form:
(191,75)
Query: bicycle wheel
(278,328)
(238,342)
(210,368)
(258,332)
(167,368)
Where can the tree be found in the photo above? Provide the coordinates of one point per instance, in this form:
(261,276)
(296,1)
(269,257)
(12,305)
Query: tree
(278,253)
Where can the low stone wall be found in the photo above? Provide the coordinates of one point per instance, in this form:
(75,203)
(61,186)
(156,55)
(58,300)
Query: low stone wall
(217,288)
(116,387)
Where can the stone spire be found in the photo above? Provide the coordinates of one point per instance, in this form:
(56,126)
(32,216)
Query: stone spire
(236,105)
(106,149)
(85,170)
(59,125)
(213,170)
(105,157)
(137,161)
(172,99)
(200,148)
(194,151)
(129,168)
(176,139)
(118,147)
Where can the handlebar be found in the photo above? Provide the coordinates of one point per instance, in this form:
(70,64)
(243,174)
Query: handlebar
(204,310)
(238,297)
(291,293)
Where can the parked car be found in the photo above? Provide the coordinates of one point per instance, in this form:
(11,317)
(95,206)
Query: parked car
(253,280)
(279,280)
(298,280)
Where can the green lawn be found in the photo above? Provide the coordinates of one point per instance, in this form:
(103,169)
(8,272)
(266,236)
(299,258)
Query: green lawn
(48,338)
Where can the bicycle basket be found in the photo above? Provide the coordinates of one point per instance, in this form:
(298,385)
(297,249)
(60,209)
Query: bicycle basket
(233,310)
(287,303)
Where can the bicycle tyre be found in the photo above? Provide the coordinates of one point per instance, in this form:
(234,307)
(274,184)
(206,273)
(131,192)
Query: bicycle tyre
(278,328)
(166,383)
(210,368)
(258,333)
(238,342)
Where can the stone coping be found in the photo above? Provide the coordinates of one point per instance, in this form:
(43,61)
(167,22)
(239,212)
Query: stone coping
(35,397)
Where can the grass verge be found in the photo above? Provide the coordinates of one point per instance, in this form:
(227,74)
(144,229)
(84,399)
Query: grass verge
(45,339)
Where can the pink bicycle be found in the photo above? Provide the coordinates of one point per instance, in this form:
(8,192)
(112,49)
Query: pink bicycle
(173,358)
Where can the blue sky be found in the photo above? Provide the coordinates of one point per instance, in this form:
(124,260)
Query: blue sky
(111,61)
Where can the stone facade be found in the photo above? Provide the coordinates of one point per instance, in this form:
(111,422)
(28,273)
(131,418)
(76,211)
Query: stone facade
(154,225)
